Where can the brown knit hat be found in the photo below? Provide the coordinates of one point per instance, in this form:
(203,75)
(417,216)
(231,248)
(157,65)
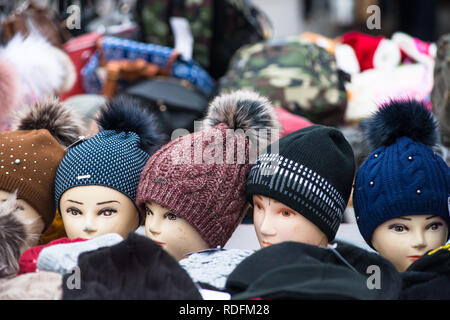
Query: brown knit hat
(29,158)
(209,193)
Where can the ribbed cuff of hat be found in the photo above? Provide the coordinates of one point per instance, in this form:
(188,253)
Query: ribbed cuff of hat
(375,215)
(62,258)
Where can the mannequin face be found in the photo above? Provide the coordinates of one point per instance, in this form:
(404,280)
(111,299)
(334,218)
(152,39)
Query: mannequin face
(404,240)
(29,216)
(92,211)
(173,233)
(275,223)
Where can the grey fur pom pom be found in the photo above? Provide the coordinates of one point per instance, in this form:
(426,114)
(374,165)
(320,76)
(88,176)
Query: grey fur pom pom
(246,110)
(13,237)
(52,115)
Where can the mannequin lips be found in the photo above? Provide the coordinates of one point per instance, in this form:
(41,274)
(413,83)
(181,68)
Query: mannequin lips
(266,244)
(159,242)
(414,258)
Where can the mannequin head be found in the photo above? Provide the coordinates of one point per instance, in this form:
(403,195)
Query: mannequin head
(91,211)
(28,216)
(275,222)
(200,177)
(172,232)
(405,239)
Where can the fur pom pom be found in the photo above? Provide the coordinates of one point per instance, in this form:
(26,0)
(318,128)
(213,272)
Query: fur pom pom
(13,237)
(126,114)
(41,71)
(53,116)
(246,110)
(401,118)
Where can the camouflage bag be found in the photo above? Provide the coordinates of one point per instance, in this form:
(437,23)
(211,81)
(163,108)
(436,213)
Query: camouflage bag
(219,28)
(294,74)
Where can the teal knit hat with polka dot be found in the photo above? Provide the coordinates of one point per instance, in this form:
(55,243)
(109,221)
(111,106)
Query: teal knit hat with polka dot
(115,157)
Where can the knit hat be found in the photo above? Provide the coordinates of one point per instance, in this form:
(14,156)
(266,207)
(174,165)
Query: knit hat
(135,269)
(113,158)
(402,176)
(311,172)
(210,195)
(30,155)
(63,257)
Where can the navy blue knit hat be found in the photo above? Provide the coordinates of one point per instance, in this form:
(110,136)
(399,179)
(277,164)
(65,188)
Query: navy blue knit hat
(114,157)
(402,176)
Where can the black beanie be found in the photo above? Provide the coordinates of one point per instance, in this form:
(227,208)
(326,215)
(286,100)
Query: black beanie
(134,269)
(311,171)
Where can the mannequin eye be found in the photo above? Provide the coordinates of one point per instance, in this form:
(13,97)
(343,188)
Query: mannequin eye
(73,212)
(170,216)
(286,213)
(257,206)
(434,226)
(148,212)
(398,228)
(107,212)
(20,208)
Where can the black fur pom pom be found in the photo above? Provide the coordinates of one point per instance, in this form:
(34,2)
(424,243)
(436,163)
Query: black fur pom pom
(124,114)
(401,118)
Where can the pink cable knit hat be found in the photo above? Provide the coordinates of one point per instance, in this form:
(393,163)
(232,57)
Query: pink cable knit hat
(201,176)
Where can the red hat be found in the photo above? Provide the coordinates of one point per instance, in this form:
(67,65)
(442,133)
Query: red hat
(210,195)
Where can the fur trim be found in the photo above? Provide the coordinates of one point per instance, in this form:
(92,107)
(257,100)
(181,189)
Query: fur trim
(13,237)
(401,118)
(125,114)
(52,115)
(246,110)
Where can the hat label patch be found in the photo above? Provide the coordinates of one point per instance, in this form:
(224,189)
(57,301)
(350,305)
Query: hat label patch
(87,176)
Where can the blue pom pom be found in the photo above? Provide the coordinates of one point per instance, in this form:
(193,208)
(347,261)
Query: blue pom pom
(401,118)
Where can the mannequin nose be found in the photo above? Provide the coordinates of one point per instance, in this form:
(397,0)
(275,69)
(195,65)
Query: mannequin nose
(154,226)
(419,241)
(89,226)
(267,227)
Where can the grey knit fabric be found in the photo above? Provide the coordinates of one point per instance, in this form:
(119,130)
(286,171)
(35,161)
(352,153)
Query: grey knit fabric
(213,266)
(62,258)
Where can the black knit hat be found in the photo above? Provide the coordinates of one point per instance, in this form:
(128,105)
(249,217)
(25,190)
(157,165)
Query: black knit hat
(311,171)
(136,268)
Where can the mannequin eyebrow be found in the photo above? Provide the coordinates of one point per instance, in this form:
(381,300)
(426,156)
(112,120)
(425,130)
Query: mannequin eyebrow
(75,201)
(430,217)
(105,202)
(403,218)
